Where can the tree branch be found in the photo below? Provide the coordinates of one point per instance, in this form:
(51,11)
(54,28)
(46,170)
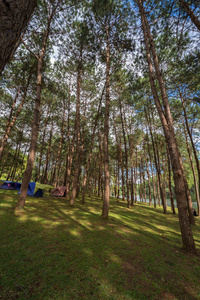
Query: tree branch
(29,49)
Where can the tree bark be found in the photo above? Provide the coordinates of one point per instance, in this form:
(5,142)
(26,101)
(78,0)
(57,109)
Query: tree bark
(126,155)
(42,146)
(106,199)
(167,123)
(193,147)
(56,172)
(35,125)
(10,124)
(91,147)
(193,171)
(45,177)
(77,131)
(14,15)
(169,182)
(190,13)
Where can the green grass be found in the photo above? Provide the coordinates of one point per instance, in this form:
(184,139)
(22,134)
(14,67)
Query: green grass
(53,251)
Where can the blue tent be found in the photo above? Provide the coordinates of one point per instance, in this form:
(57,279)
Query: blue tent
(10,185)
(33,191)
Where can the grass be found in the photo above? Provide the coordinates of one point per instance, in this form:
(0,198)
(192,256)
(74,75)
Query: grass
(53,251)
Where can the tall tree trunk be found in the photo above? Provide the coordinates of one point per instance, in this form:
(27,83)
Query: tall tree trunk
(100,183)
(56,172)
(16,161)
(13,162)
(77,131)
(10,125)
(22,163)
(135,174)
(106,199)
(149,181)
(169,182)
(69,149)
(45,177)
(157,163)
(193,146)
(35,125)
(14,15)
(42,145)
(91,148)
(4,162)
(9,118)
(193,171)
(190,13)
(126,155)
(167,123)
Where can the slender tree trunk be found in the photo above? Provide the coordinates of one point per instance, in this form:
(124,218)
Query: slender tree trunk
(190,13)
(45,178)
(77,131)
(157,164)
(22,163)
(135,173)
(9,118)
(11,124)
(193,146)
(16,163)
(100,166)
(149,181)
(68,170)
(91,148)
(126,155)
(4,162)
(122,170)
(105,208)
(167,123)
(153,182)
(169,182)
(42,145)
(56,172)
(35,125)
(14,15)
(193,171)
(13,162)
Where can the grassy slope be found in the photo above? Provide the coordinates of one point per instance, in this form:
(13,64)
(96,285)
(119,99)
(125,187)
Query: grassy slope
(52,251)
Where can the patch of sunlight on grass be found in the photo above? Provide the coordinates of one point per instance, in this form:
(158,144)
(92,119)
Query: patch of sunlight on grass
(74,232)
(115,258)
(88,251)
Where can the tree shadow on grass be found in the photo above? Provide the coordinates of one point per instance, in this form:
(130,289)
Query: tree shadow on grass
(52,251)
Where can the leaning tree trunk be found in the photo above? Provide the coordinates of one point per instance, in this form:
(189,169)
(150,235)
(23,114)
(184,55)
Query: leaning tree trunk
(14,15)
(170,182)
(190,13)
(193,171)
(193,146)
(167,123)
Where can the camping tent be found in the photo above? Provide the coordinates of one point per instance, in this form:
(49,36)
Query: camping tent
(37,189)
(59,191)
(10,185)
(33,191)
